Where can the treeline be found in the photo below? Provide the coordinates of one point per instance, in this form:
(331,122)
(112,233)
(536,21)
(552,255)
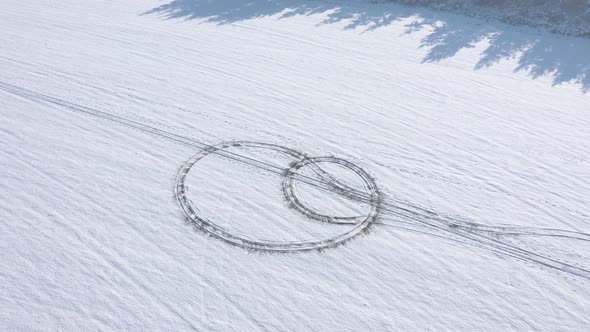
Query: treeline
(570,17)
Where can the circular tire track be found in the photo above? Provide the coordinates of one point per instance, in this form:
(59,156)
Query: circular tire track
(371,190)
(358,224)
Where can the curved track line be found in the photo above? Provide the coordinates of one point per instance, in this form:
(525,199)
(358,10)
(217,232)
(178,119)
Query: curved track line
(202,223)
(416,214)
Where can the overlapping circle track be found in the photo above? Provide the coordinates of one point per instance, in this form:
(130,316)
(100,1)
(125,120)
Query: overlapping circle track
(291,174)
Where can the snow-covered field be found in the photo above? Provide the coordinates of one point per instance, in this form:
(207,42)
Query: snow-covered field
(165,165)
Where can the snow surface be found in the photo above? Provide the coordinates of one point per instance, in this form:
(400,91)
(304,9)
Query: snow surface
(476,134)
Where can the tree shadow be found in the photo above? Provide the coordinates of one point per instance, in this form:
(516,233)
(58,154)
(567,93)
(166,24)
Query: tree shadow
(539,54)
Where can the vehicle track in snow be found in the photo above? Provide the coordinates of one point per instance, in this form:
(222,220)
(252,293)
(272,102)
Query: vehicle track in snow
(358,225)
(387,212)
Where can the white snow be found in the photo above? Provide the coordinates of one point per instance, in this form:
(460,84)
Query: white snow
(457,120)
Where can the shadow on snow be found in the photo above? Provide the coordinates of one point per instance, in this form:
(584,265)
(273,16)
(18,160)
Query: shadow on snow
(566,59)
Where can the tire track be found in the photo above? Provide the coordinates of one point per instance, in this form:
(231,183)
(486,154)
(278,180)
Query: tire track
(203,223)
(396,208)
